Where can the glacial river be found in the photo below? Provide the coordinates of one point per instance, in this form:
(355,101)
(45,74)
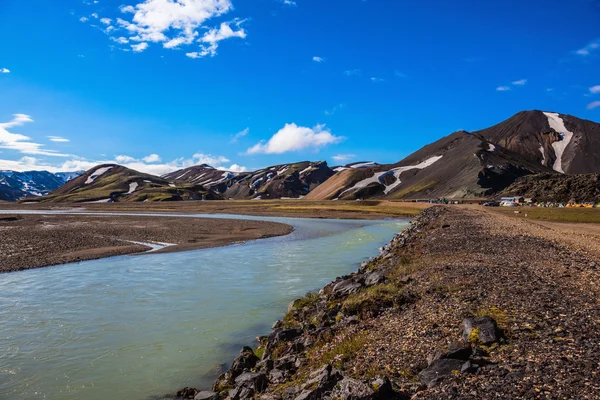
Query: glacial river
(141,327)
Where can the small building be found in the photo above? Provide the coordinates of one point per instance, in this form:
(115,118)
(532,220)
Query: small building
(514,199)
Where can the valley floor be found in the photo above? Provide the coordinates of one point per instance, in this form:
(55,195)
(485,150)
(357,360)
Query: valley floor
(400,317)
(33,241)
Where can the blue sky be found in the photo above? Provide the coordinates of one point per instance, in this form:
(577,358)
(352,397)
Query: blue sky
(251,83)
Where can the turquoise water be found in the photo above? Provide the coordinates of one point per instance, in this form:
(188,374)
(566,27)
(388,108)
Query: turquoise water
(138,327)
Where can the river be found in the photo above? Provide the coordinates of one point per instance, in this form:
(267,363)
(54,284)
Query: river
(140,327)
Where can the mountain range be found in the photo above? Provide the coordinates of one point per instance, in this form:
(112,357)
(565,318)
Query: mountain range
(461,165)
(19,185)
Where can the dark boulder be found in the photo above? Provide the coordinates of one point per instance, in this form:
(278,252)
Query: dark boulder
(345,288)
(257,382)
(187,393)
(374,278)
(456,350)
(482,330)
(206,396)
(320,382)
(440,369)
(245,362)
(353,389)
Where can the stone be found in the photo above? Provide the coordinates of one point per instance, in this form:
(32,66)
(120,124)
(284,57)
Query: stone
(187,393)
(469,368)
(240,393)
(345,288)
(286,363)
(257,382)
(353,389)
(277,376)
(440,369)
(206,396)
(487,330)
(374,278)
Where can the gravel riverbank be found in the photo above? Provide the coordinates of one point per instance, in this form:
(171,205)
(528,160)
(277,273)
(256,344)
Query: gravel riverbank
(33,241)
(464,304)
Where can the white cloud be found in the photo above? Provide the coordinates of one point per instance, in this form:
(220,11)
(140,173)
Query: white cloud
(376,80)
(138,48)
(592,46)
(79,164)
(343,157)
(213,161)
(120,40)
(4,71)
(83,19)
(289,2)
(95,15)
(237,168)
(293,138)
(593,105)
(152,158)
(502,88)
(318,59)
(121,159)
(58,139)
(176,23)
(214,36)
(520,82)
(240,134)
(22,143)
(400,74)
(595,89)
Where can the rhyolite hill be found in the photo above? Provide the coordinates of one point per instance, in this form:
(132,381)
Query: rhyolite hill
(463,164)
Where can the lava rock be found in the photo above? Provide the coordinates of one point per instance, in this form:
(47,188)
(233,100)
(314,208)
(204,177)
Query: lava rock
(257,382)
(440,369)
(487,329)
(206,396)
(352,389)
(345,288)
(187,393)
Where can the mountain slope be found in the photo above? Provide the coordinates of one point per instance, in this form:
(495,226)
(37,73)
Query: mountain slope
(477,164)
(18,185)
(279,181)
(557,188)
(115,183)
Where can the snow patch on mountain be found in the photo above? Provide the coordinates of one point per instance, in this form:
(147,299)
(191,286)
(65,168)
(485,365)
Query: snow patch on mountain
(96,174)
(557,123)
(376,178)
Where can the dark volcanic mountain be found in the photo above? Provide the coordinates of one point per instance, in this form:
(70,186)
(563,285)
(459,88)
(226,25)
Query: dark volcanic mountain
(19,185)
(477,164)
(279,181)
(115,183)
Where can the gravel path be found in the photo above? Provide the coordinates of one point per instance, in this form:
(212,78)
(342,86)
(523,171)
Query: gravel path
(541,290)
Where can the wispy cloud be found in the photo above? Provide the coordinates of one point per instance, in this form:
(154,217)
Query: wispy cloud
(58,139)
(593,105)
(520,82)
(353,72)
(595,89)
(138,48)
(376,80)
(343,157)
(335,109)
(502,88)
(22,143)
(318,59)
(589,48)
(240,135)
(294,138)
(400,74)
(289,2)
(4,71)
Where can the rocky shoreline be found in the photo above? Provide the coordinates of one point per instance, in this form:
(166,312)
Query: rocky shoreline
(444,311)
